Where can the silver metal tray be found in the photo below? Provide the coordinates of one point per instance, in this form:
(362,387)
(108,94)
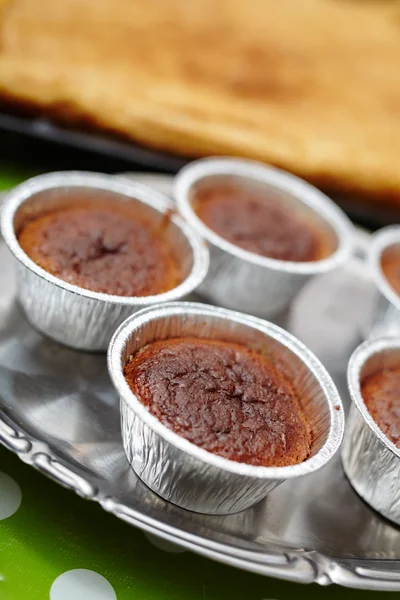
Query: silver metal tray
(59,413)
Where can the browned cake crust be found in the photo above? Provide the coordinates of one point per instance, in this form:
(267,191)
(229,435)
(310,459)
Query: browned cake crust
(102,247)
(311,86)
(222,397)
(259,224)
(381,394)
(390,264)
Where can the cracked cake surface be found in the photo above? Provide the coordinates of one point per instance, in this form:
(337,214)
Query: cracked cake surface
(102,246)
(223,397)
(390,265)
(259,223)
(381,394)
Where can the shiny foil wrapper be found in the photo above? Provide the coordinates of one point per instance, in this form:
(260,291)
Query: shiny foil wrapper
(370,460)
(70,314)
(245,281)
(180,471)
(383,319)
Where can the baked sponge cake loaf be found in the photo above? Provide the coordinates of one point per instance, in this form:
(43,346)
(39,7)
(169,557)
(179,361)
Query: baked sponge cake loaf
(312,87)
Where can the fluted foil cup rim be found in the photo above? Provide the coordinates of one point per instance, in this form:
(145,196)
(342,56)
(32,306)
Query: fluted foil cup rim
(124,187)
(282,181)
(358,359)
(332,399)
(381,240)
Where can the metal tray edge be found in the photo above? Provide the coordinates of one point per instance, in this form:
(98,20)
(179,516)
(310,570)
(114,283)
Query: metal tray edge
(300,566)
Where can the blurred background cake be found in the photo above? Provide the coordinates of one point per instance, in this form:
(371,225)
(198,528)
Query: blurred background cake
(311,86)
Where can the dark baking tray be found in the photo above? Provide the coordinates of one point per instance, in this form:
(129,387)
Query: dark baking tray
(90,141)
(87,149)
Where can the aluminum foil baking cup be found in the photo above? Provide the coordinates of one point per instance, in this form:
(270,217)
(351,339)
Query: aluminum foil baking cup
(383,318)
(246,281)
(180,471)
(70,314)
(370,460)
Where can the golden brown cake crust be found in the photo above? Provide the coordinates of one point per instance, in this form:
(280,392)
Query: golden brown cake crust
(381,394)
(260,224)
(390,264)
(223,397)
(310,86)
(103,247)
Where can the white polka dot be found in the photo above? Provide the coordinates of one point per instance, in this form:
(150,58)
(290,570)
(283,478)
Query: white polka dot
(81,584)
(10,496)
(163,544)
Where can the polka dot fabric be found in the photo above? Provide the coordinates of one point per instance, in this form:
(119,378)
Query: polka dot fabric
(81,584)
(56,546)
(10,496)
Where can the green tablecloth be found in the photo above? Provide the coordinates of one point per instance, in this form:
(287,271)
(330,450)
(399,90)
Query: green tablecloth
(11,175)
(55,545)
